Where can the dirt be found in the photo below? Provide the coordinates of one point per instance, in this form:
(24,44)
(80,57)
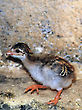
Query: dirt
(47,26)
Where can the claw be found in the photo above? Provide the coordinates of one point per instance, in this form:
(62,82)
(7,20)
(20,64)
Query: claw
(55,101)
(37,87)
(34,87)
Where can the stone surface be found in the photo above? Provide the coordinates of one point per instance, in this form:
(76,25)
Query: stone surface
(47,26)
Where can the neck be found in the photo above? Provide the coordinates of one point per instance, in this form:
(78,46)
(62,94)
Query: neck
(28,62)
(32,57)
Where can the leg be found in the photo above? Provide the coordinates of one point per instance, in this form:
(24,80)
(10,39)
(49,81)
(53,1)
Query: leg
(35,87)
(55,101)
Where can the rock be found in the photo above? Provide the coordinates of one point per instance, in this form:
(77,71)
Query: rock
(47,26)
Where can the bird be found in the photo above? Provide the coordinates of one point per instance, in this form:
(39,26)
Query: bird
(48,70)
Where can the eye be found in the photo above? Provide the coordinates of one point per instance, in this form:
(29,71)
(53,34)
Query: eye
(17,50)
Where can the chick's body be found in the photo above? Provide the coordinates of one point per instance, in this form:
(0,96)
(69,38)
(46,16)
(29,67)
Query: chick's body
(51,71)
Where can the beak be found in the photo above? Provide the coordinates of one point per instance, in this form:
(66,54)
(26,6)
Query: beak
(10,53)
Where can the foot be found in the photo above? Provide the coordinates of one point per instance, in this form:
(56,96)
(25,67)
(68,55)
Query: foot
(55,101)
(35,87)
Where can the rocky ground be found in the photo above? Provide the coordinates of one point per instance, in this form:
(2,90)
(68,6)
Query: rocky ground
(47,26)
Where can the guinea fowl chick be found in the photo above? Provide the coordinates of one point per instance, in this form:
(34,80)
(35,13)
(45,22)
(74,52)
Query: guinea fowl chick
(49,70)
